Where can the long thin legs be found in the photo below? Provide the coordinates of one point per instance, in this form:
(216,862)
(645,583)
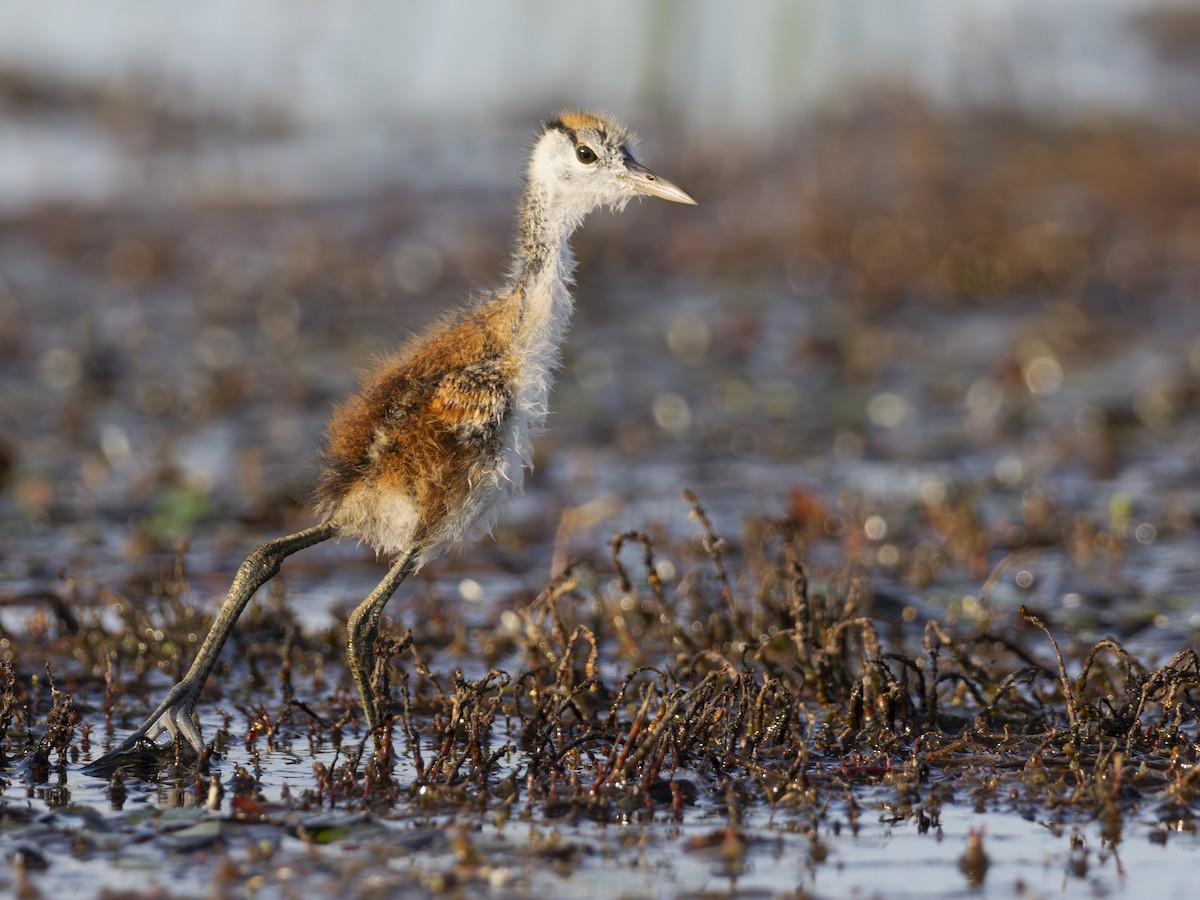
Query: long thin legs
(363,627)
(174,714)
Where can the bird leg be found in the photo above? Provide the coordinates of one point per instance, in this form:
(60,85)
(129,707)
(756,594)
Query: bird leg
(363,628)
(174,714)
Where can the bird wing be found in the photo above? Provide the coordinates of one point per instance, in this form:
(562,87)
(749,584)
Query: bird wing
(473,401)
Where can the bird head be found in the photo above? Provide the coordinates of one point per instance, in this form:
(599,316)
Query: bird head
(586,159)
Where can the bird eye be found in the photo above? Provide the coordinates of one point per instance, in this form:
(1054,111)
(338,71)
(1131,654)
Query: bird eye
(585,154)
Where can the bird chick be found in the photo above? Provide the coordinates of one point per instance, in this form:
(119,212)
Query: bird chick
(420,457)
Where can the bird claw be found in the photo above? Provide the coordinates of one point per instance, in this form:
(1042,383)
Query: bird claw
(173,716)
(178,722)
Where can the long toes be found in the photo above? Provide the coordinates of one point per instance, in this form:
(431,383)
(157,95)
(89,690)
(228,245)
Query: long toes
(133,750)
(182,725)
(176,719)
(161,724)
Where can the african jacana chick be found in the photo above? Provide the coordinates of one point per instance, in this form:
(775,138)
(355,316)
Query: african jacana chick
(421,456)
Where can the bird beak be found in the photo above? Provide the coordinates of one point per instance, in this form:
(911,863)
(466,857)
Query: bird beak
(644,181)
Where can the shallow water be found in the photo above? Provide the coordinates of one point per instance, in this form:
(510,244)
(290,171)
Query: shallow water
(161,841)
(964,443)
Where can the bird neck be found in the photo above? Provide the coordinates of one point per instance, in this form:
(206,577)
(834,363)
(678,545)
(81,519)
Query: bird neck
(544,229)
(543,264)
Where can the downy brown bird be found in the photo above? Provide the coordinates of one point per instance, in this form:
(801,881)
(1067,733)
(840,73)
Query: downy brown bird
(421,456)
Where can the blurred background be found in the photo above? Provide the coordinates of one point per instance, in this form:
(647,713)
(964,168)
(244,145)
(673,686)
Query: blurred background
(937,303)
(117,99)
